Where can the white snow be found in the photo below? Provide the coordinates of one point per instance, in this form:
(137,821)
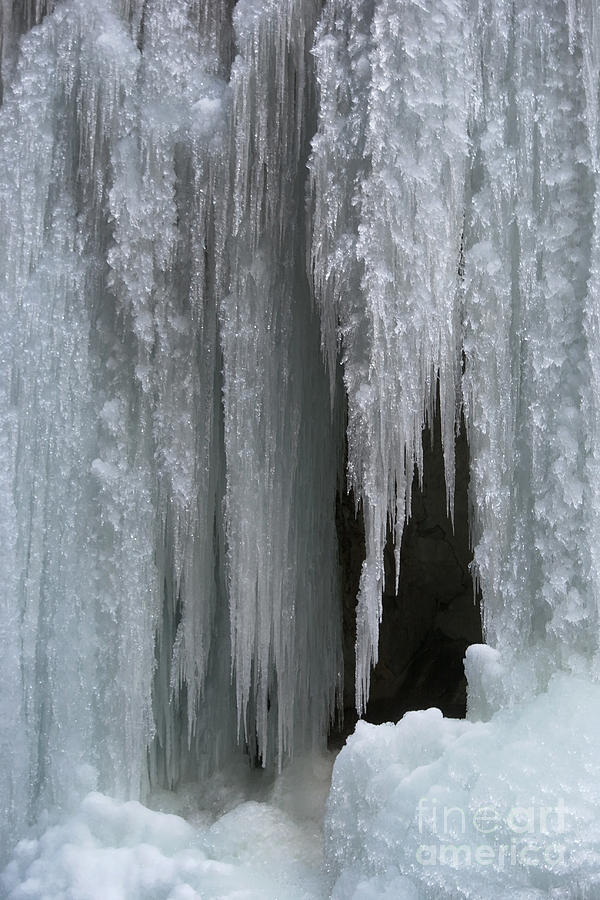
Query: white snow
(258,849)
(440,808)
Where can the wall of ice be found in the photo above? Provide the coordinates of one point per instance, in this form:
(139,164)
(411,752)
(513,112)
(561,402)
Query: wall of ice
(170,462)
(221,225)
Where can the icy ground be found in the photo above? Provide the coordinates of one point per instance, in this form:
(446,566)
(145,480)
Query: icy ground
(270,846)
(505,809)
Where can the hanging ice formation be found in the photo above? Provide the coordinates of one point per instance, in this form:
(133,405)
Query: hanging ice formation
(455,224)
(169,463)
(389,168)
(173,320)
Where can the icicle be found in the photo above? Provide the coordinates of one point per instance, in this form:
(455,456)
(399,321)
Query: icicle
(338,166)
(526,266)
(281,459)
(589,37)
(403,333)
(112,419)
(588,22)
(51,411)
(167,161)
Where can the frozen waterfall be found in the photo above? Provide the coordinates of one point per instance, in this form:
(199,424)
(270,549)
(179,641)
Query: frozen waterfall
(171,459)
(248,251)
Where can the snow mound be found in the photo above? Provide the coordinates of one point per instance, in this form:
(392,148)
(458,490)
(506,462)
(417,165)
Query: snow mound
(110,850)
(506,808)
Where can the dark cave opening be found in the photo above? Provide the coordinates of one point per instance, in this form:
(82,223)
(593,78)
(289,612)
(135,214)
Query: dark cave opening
(434,616)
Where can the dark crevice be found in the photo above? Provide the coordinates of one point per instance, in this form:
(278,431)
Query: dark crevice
(428,624)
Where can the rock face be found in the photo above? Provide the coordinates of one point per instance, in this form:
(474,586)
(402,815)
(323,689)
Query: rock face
(428,624)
